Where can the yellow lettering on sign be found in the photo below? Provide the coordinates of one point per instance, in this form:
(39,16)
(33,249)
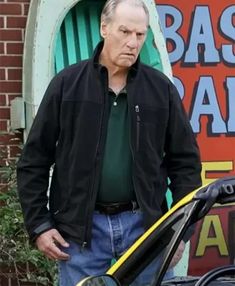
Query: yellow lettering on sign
(206,240)
(216,167)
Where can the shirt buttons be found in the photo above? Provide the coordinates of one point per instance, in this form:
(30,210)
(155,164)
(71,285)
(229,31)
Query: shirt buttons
(115,103)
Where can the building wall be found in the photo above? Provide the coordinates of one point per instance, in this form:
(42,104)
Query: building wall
(13,16)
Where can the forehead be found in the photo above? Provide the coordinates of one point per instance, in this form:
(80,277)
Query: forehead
(131,16)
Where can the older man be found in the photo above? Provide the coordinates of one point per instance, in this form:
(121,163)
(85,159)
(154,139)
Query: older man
(114,129)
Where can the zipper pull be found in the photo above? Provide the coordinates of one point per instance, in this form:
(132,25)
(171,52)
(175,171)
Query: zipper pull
(84,244)
(137,110)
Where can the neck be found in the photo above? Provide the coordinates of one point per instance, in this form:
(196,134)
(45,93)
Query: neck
(117,75)
(113,69)
(117,81)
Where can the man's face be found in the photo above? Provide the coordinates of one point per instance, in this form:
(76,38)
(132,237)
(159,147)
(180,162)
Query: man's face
(124,36)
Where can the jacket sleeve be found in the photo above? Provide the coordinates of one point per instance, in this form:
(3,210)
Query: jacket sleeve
(182,154)
(37,157)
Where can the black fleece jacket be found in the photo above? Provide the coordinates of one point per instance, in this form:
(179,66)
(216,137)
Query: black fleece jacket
(69,133)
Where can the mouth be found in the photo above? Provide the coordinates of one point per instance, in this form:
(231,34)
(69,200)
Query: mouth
(129,55)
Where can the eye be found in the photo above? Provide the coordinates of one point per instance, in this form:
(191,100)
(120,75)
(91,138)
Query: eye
(124,31)
(140,35)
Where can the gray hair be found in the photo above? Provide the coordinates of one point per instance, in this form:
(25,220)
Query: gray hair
(111,5)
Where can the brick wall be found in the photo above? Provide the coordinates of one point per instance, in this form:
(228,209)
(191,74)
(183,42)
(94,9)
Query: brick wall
(13,16)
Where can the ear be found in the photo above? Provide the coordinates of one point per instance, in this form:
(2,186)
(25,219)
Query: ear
(103,30)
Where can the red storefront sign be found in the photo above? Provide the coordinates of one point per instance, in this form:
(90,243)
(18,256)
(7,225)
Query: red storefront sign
(200,38)
(212,244)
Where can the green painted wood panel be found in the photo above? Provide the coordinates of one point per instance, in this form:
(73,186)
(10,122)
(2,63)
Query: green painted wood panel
(82,29)
(70,41)
(59,55)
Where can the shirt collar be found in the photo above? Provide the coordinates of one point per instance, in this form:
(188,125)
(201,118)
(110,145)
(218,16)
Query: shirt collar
(122,91)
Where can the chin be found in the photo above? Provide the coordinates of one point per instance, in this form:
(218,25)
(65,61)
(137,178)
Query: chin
(126,64)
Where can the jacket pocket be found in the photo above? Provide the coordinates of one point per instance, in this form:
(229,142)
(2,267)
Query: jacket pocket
(150,127)
(58,199)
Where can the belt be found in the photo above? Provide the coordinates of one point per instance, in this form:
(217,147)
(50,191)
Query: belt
(115,208)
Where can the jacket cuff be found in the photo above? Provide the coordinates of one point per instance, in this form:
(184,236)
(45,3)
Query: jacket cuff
(40,229)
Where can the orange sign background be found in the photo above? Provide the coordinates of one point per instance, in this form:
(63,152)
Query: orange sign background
(200,38)
(212,243)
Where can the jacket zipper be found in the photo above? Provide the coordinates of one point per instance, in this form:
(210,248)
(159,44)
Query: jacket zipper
(137,110)
(85,242)
(92,184)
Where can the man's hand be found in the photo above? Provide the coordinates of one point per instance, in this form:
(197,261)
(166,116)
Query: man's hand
(178,254)
(48,243)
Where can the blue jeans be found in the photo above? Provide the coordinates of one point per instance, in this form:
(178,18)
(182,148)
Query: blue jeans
(112,235)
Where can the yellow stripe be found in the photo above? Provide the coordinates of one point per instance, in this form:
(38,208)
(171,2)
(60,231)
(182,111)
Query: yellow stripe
(83,281)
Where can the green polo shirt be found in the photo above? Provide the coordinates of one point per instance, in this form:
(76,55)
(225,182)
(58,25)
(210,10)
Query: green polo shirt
(116,176)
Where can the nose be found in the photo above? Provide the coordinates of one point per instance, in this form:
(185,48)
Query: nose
(133,41)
